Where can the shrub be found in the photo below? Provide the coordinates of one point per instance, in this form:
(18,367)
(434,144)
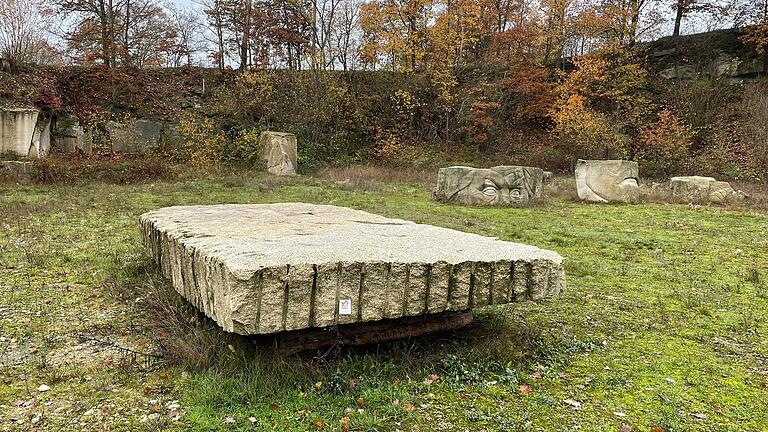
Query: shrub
(243,148)
(105,168)
(581,132)
(754,125)
(663,146)
(202,140)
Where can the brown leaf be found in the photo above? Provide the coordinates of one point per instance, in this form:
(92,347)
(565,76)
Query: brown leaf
(274,406)
(319,424)
(657,429)
(360,401)
(344,420)
(625,428)
(430,379)
(408,406)
(524,389)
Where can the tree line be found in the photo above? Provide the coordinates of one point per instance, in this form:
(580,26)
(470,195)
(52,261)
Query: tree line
(397,35)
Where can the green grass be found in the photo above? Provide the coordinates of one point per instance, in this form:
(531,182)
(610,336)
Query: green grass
(664,324)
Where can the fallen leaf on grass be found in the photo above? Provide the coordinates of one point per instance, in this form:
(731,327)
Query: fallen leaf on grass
(230,420)
(319,424)
(252,419)
(408,406)
(699,416)
(360,401)
(430,379)
(576,405)
(625,428)
(524,389)
(274,406)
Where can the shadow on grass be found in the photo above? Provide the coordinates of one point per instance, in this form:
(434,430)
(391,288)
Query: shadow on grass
(497,343)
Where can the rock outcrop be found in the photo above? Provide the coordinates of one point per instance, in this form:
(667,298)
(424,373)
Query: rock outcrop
(268,268)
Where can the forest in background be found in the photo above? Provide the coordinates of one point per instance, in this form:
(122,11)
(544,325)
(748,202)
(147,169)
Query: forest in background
(409,82)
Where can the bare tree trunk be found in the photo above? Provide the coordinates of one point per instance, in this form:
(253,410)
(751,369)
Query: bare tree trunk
(678,17)
(244,44)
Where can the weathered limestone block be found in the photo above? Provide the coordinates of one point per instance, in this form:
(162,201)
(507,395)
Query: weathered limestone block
(606,181)
(68,135)
(512,186)
(279,150)
(702,189)
(17,131)
(268,268)
(41,139)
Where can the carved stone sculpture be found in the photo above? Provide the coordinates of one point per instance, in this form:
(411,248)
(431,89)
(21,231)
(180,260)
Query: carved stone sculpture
(267,268)
(279,150)
(702,189)
(513,186)
(606,181)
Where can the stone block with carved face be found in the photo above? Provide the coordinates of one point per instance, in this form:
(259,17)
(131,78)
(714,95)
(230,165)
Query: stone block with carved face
(607,181)
(279,150)
(512,186)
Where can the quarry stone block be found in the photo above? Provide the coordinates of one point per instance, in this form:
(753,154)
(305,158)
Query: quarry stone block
(268,268)
(279,151)
(605,181)
(702,189)
(68,135)
(17,131)
(514,186)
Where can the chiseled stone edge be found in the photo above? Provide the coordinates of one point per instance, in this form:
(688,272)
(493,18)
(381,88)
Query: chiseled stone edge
(293,297)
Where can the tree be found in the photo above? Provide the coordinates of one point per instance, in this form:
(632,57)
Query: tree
(214,13)
(22,26)
(94,34)
(186,40)
(345,46)
(117,32)
(397,29)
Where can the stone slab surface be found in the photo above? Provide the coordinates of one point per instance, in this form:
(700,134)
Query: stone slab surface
(605,181)
(268,268)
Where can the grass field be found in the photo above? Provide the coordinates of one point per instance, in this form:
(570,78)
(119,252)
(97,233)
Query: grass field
(664,326)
